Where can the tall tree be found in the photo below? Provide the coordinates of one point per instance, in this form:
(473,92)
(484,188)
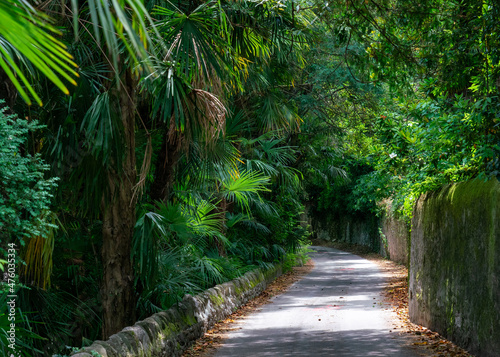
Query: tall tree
(119,176)
(110,41)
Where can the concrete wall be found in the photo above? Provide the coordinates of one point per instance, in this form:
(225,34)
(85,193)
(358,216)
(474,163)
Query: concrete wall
(169,333)
(455,264)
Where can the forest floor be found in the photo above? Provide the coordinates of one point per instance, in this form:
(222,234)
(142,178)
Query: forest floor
(427,342)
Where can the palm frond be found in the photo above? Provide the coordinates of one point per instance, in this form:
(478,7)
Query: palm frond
(205,220)
(176,277)
(209,269)
(275,152)
(264,208)
(38,256)
(164,222)
(187,80)
(31,34)
(275,113)
(118,24)
(257,227)
(259,165)
(240,188)
(236,123)
(200,36)
(102,128)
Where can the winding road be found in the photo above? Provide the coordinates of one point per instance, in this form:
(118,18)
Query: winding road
(337,310)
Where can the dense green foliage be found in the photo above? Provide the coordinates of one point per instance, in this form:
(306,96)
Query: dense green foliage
(433,67)
(210,165)
(198,133)
(24,194)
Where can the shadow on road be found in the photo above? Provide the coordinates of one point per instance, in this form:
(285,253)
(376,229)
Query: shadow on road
(336,310)
(295,342)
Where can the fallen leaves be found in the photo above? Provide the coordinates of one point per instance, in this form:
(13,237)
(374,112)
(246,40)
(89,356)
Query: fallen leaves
(428,342)
(435,343)
(213,338)
(396,294)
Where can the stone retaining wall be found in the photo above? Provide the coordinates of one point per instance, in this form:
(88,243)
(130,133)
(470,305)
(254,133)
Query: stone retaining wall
(395,239)
(171,332)
(387,236)
(455,264)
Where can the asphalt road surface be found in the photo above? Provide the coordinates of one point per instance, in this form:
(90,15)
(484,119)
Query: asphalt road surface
(337,310)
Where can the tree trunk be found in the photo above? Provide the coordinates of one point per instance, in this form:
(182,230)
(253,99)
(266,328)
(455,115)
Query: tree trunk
(223,207)
(118,297)
(165,165)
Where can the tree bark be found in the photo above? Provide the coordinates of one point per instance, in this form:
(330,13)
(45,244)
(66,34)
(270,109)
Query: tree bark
(222,207)
(118,297)
(165,165)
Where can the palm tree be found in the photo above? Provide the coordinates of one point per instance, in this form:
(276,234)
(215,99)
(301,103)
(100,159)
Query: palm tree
(119,33)
(122,31)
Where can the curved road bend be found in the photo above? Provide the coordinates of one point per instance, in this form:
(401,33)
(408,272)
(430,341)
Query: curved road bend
(336,310)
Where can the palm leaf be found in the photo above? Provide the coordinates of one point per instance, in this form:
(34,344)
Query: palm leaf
(163,223)
(209,270)
(102,127)
(118,24)
(203,218)
(241,187)
(201,36)
(38,256)
(30,33)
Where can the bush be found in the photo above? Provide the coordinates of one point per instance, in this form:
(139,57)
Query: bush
(24,192)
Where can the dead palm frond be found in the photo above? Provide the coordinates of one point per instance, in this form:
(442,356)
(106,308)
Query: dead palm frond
(38,255)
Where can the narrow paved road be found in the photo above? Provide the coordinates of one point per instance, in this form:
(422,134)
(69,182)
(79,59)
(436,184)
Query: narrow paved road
(336,310)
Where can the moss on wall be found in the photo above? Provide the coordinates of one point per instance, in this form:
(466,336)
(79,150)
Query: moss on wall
(397,238)
(355,229)
(170,332)
(455,264)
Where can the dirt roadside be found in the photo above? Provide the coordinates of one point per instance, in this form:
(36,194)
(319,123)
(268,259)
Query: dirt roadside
(427,342)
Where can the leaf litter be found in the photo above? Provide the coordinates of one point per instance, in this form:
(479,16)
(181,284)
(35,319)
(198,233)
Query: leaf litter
(427,342)
(213,338)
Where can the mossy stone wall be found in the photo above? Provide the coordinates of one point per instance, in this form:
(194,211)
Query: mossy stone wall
(395,238)
(455,264)
(355,229)
(171,332)
(387,236)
